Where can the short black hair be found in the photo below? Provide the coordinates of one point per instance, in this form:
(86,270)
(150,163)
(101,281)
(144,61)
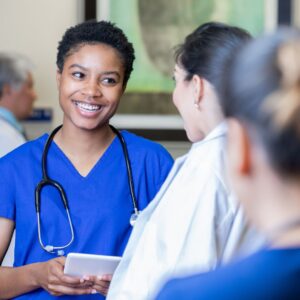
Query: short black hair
(92,32)
(206,50)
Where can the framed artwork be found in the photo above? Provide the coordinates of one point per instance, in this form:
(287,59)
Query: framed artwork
(156,27)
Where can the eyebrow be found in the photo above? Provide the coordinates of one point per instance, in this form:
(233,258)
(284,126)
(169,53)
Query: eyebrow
(102,73)
(111,73)
(77,66)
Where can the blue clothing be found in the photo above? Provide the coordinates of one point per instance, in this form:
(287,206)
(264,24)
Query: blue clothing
(100,203)
(266,275)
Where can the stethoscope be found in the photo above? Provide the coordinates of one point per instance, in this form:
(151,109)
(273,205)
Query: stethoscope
(47,181)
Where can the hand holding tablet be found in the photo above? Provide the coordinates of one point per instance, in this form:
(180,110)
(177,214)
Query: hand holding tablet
(78,264)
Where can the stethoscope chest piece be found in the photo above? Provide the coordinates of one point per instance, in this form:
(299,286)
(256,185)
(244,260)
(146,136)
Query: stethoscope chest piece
(133,218)
(46,180)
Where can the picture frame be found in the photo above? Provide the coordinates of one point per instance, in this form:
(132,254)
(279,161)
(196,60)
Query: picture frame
(147,106)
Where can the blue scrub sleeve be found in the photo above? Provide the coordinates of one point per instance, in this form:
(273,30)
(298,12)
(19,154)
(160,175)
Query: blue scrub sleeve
(7,183)
(166,164)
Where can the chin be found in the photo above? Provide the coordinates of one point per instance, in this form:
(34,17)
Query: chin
(194,138)
(90,126)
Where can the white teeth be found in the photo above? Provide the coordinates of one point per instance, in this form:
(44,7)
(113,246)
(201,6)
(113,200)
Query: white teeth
(87,107)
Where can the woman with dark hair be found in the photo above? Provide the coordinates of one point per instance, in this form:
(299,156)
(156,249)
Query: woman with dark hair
(194,223)
(79,188)
(261,95)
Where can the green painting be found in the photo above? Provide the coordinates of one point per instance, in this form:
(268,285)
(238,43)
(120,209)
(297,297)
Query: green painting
(156,26)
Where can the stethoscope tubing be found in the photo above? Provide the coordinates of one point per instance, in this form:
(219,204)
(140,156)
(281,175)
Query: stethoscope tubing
(46,180)
(128,168)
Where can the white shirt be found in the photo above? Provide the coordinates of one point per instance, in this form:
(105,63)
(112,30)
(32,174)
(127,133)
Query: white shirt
(10,132)
(192,225)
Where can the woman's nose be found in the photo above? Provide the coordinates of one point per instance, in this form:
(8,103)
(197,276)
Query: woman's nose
(91,89)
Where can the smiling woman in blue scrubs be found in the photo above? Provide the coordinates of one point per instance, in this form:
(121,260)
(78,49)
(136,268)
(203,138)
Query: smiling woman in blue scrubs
(94,63)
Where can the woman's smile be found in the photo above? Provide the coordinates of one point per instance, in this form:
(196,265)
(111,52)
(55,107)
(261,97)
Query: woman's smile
(90,86)
(87,107)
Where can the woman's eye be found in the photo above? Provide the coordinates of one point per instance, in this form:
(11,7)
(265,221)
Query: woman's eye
(78,75)
(109,80)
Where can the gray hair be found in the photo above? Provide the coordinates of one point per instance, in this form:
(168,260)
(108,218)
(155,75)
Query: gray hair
(14,69)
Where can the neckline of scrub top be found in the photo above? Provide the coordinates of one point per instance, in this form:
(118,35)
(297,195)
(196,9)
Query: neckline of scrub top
(73,169)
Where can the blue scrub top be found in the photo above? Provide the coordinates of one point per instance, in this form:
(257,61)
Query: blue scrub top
(269,274)
(100,203)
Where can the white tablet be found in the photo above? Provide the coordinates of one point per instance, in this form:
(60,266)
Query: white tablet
(78,264)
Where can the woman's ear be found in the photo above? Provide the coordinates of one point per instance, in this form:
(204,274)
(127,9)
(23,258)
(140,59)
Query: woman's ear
(198,89)
(239,148)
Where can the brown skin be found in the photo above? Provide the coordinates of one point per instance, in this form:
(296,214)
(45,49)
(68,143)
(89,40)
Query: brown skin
(90,87)
(48,275)
(91,76)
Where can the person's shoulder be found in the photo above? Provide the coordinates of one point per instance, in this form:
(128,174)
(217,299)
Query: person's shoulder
(24,151)
(140,144)
(139,141)
(10,138)
(268,274)
(202,285)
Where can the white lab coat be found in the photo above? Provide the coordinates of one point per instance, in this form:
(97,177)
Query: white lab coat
(192,225)
(10,137)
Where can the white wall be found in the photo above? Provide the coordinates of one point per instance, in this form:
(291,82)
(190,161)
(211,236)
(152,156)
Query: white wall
(34,27)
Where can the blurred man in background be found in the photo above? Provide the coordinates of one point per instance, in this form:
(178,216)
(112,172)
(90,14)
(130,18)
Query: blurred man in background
(17,95)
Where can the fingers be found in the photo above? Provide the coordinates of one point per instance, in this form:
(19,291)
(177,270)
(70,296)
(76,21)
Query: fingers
(57,290)
(101,284)
(66,285)
(61,260)
(107,277)
(60,284)
(71,281)
(57,283)
(57,276)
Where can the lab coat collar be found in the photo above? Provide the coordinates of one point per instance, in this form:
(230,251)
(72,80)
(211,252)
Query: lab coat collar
(9,117)
(218,131)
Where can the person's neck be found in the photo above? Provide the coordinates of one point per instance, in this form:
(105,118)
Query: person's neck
(212,120)
(84,147)
(83,140)
(9,104)
(212,114)
(280,217)
(286,236)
